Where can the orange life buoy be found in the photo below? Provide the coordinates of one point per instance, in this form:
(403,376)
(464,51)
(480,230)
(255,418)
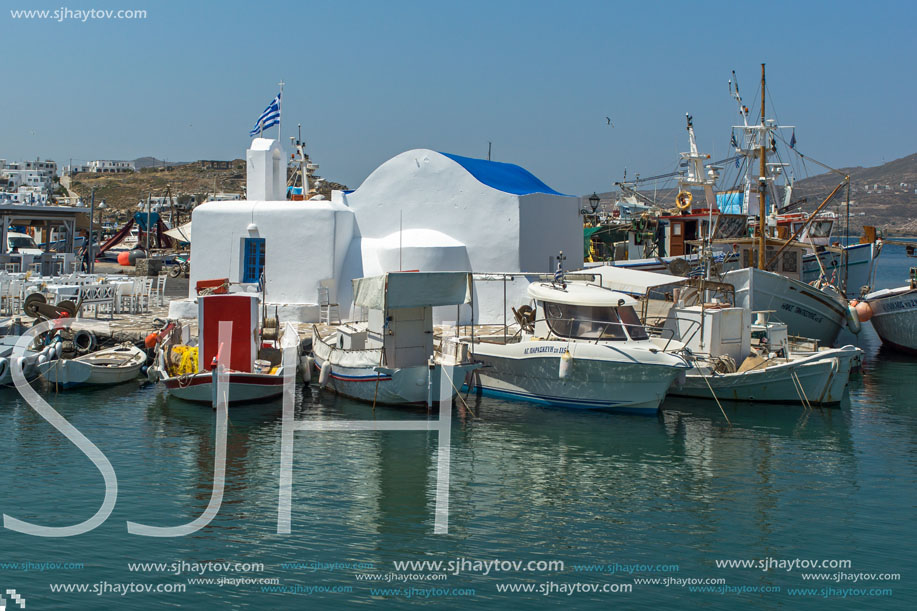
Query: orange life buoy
(683,200)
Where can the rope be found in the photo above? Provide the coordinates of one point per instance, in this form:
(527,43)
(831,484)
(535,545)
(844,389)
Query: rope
(714,396)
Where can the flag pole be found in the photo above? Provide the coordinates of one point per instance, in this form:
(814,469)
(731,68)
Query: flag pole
(280,118)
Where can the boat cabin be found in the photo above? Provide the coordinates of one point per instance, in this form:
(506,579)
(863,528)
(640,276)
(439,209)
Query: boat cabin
(400,313)
(584,312)
(684,231)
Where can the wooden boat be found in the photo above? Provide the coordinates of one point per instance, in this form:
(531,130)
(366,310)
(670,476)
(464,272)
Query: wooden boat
(391,358)
(893,313)
(186,366)
(102,368)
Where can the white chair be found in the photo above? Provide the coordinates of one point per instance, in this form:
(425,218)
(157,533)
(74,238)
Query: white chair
(160,290)
(97,296)
(328,311)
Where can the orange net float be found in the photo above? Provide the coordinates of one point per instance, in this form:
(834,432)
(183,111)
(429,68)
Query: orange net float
(124,258)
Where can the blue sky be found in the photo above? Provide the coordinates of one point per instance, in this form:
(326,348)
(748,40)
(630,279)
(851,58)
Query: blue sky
(368,80)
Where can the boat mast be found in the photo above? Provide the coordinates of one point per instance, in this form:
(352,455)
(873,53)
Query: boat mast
(762,180)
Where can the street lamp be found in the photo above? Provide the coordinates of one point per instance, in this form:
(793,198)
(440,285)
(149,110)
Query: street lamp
(594,204)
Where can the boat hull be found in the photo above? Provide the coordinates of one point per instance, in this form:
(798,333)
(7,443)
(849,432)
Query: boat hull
(243,387)
(859,269)
(894,317)
(599,378)
(71,373)
(806,310)
(390,386)
(823,378)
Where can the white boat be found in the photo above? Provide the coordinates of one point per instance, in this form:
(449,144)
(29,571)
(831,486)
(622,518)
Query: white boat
(581,346)
(894,315)
(390,358)
(808,311)
(102,368)
(254,372)
(31,359)
(739,361)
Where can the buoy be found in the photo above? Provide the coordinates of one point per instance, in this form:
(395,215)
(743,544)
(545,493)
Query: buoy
(305,368)
(683,200)
(325,374)
(124,258)
(136,254)
(84,341)
(4,366)
(42,358)
(58,348)
(566,363)
(853,320)
(153,374)
(151,340)
(864,310)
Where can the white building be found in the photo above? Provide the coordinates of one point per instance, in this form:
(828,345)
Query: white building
(420,210)
(108,166)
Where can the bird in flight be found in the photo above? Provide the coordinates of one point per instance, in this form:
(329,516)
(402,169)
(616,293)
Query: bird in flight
(609,121)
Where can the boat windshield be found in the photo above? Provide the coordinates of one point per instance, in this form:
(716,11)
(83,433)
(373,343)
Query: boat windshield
(593,322)
(820,229)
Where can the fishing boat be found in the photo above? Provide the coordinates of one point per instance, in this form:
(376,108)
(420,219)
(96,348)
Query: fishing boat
(893,313)
(104,367)
(736,360)
(816,312)
(587,349)
(188,367)
(390,358)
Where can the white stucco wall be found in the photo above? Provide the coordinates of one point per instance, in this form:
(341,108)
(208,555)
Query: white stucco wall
(501,232)
(305,242)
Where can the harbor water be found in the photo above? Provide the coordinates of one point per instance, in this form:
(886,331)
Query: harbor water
(655,512)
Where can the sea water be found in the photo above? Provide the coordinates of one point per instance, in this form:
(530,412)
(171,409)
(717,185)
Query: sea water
(784,508)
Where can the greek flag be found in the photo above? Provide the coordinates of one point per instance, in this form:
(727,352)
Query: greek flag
(559,272)
(261,282)
(269,118)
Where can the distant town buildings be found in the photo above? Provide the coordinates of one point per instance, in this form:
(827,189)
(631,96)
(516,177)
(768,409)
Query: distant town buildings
(36,174)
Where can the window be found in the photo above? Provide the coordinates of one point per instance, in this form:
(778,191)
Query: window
(252,259)
(593,322)
(676,228)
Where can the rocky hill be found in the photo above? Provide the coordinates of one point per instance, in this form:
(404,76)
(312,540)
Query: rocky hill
(197,180)
(884,196)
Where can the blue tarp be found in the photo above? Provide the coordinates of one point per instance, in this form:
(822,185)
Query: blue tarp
(504,177)
(140,219)
(731,202)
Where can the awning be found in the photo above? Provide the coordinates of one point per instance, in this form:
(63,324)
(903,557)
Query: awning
(412,290)
(181,233)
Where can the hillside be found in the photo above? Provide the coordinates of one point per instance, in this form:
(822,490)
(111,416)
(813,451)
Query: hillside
(884,196)
(122,192)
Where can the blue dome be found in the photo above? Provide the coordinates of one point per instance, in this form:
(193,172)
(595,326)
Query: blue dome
(505,177)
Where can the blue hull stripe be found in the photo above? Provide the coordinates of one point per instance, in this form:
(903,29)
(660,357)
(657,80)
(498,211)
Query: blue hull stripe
(558,401)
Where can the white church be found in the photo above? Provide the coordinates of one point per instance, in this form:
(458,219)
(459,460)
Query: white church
(420,210)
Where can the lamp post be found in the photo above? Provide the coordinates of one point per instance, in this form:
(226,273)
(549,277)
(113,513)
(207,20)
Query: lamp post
(594,204)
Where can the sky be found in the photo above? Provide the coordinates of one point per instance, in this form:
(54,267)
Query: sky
(368,80)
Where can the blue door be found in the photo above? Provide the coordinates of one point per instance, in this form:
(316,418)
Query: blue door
(252,259)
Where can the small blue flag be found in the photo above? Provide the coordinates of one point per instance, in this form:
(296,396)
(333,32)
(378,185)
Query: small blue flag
(793,140)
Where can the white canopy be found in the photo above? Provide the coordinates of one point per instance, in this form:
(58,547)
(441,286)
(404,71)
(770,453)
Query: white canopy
(412,290)
(576,293)
(632,281)
(181,233)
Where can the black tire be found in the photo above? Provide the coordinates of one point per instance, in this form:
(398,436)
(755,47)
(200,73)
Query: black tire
(175,271)
(84,341)
(30,306)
